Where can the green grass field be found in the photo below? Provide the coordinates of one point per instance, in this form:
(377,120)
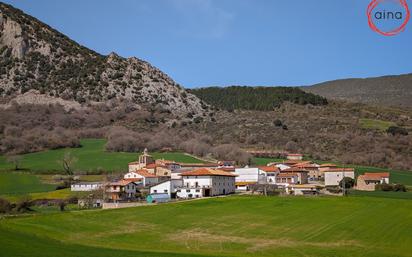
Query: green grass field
(91,157)
(17,184)
(375,124)
(230,226)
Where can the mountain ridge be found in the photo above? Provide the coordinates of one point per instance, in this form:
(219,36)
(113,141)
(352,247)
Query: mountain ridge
(35,56)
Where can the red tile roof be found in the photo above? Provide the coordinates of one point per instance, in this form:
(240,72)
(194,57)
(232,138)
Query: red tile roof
(375,176)
(269,168)
(207,172)
(151,166)
(145,173)
(122,182)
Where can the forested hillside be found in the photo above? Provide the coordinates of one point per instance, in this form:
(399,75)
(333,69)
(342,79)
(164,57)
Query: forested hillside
(255,98)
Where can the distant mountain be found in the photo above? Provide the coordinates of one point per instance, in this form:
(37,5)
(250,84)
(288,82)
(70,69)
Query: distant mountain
(387,90)
(34,56)
(255,98)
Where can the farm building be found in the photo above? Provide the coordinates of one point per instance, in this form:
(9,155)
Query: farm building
(158,198)
(167,187)
(335,175)
(368,181)
(306,189)
(206,182)
(302,174)
(86,186)
(294,156)
(142,176)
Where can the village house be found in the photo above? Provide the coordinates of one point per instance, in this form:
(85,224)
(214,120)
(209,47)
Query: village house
(86,186)
(302,174)
(120,190)
(294,156)
(168,187)
(142,176)
(205,182)
(271,173)
(312,168)
(368,181)
(286,178)
(333,176)
(326,166)
(249,175)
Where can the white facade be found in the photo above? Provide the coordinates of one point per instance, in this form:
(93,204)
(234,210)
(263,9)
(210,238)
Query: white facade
(146,180)
(166,187)
(332,178)
(86,186)
(247,174)
(199,186)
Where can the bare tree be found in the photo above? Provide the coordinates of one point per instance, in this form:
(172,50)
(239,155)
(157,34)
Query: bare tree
(67,162)
(15,160)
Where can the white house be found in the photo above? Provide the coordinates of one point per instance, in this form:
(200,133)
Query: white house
(334,176)
(206,182)
(168,187)
(142,176)
(86,186)
(247,174)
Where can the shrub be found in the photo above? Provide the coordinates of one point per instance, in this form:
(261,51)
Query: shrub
(347,182)
(393,130)
(5,206)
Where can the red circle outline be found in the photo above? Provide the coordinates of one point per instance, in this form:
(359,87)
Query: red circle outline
(393,32)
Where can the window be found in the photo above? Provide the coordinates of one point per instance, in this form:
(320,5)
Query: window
(155,191)
(179,191)
(187,190)
(197,184)
(165,190)
(197,190)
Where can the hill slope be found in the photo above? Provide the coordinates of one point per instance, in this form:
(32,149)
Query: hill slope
(255,98)
(34,56)
(387,90)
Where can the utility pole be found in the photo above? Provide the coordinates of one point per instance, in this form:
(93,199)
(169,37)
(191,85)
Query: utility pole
(343,182)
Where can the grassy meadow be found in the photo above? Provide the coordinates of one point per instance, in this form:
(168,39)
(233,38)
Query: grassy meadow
(228,226)
(17,184)
(91,157)
(375,124)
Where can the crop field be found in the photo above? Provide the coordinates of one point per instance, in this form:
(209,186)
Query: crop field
(227,226)
(90,157)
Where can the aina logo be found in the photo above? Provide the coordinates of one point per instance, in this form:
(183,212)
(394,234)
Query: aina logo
(388,17)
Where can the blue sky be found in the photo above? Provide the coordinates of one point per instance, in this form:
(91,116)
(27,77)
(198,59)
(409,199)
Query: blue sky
(234,42)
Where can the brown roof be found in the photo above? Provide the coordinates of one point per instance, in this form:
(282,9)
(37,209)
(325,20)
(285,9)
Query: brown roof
(145,174)
(305,165)
(374,176)
(340,170)
(122,182)
(269,168)
(151,166)
(207,172)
